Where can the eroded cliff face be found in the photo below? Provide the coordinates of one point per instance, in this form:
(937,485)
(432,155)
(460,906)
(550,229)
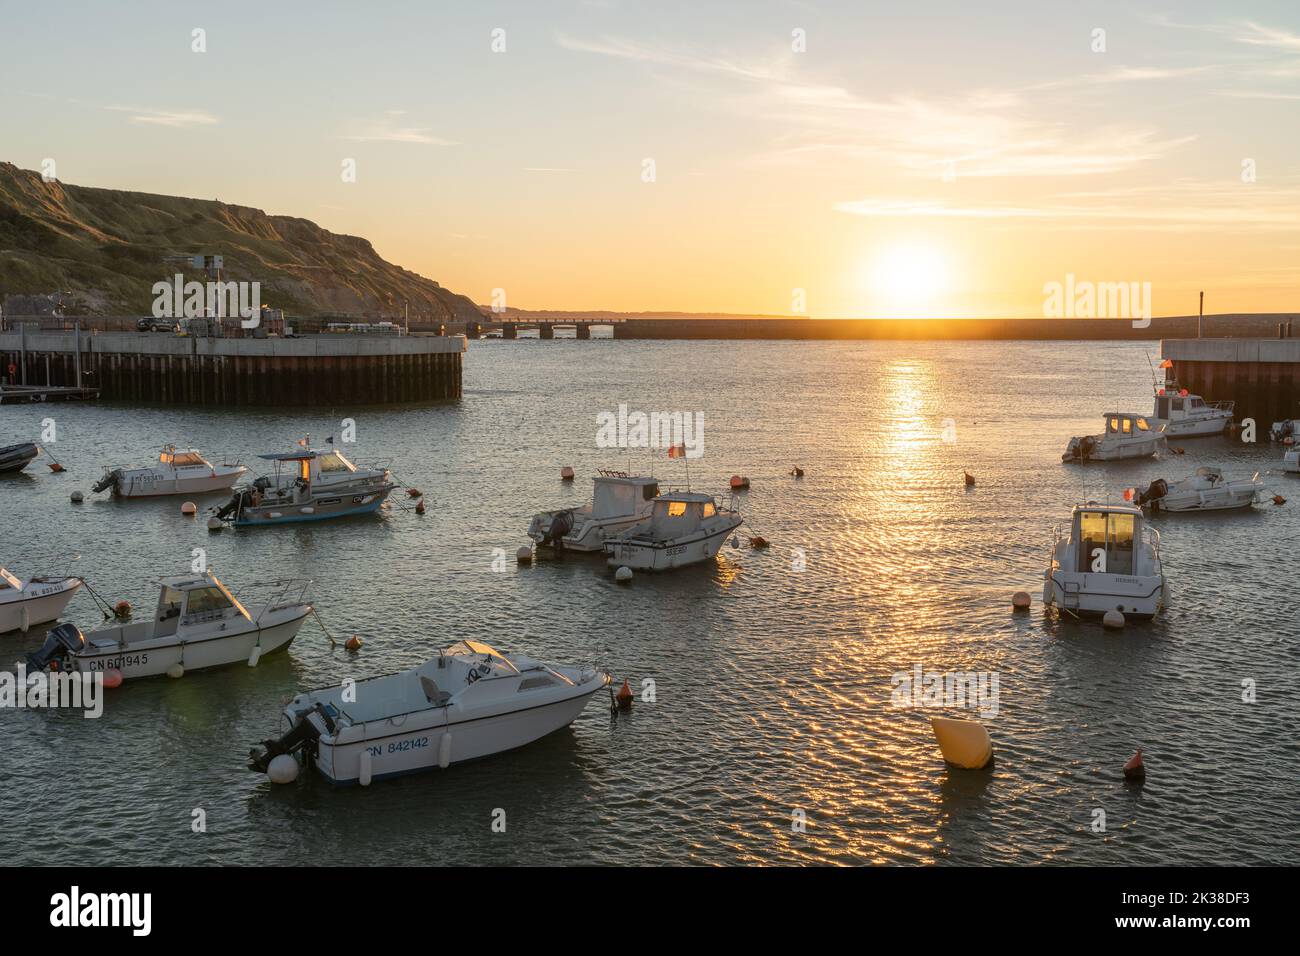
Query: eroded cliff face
(104,248)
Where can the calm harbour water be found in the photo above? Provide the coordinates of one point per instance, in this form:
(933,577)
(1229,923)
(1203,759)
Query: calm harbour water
(772,684)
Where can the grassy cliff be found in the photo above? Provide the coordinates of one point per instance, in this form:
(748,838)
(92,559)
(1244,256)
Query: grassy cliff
(107,248)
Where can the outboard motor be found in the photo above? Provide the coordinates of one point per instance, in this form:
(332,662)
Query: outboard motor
(303,734)
(110,480)
(60,643)
(262,483)
(230,506)
(561,524)
(1155,491)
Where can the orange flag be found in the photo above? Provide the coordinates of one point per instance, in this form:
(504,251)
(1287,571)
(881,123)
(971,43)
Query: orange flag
(677,451)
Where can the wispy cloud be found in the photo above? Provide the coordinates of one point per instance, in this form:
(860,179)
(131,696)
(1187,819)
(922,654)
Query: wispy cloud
(176,119)
(388,128)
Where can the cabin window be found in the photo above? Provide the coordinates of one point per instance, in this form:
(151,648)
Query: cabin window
(333,462)
(304,469)
(1114,424)
(1162,407)
(649,492)
(676,509)
(1197,403)
(1178,404)
(1128,426)
(1142,425)
(1111,533)
(207,599)
(709,510)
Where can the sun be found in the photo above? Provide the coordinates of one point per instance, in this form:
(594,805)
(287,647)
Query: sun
(906,279)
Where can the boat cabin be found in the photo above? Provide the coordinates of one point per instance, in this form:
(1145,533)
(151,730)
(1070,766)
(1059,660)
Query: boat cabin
(172,457)
(679,513)
(618,494)
(187,600)
(1126,425)
(1115,530)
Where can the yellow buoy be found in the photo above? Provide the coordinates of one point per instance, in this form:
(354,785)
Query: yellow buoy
(963,743)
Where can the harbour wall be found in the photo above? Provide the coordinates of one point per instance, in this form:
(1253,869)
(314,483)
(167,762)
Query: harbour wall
(171,369)
(1261,375)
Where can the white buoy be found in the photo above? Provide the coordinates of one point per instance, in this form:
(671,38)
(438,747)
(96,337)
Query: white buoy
(77,497)
(1020,600)
(255,655)
(364,776)
(623,574)
(24,619)
(282,769)
(189,508)
(1114,620)
(444,751)
(215,523)
(176,671)
(524,555)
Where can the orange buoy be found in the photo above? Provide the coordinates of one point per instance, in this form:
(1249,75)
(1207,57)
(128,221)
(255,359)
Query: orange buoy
(56,467)
(758,542)
(419,507)
(1135,769)
(112,677)
(566,473)
(970,479)
(739,482)
(414,493)
(1279,500)
(625,696)
(354,643)
(797,471)
(122,610)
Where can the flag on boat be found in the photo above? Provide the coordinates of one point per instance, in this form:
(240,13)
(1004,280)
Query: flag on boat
(1167,363)
(302,442)
(677,451)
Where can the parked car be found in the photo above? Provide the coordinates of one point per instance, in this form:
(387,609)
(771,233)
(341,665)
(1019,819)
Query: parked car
(150,324)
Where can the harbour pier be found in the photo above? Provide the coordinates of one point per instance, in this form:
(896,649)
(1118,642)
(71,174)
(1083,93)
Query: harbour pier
(182,369)
(1261,375)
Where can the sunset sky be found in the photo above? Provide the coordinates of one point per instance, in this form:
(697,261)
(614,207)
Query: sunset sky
(943,159)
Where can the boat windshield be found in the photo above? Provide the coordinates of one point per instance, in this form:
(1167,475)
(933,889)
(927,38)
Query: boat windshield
(1106,542)
(335,462)
(1142,424)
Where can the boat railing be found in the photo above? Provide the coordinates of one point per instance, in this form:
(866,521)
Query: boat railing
(285,592)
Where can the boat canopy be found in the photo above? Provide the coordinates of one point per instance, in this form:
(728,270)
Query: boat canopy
(680,513)
(171,456)
(291,456)
(620,496)
(1126,423)
(334,461)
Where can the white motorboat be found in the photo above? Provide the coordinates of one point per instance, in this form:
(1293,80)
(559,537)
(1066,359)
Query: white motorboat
(178,472)
(1291,459)
(1126,435)
(33,600)
(1207,490)
(1109,561)
(470,701)
(618,502)
(1285,431)
(1180,414)
(296,493)
(197,624)
(683,528)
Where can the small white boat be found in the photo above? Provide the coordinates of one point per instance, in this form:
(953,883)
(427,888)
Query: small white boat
(1110,561)
(296,493)
(197,624)
(1207,490)
(178,472)
(34,600)
(1285,431)
(1126,435)
(1291,459)
(618,502)
(683,528)
(1180,414)
(470,701)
